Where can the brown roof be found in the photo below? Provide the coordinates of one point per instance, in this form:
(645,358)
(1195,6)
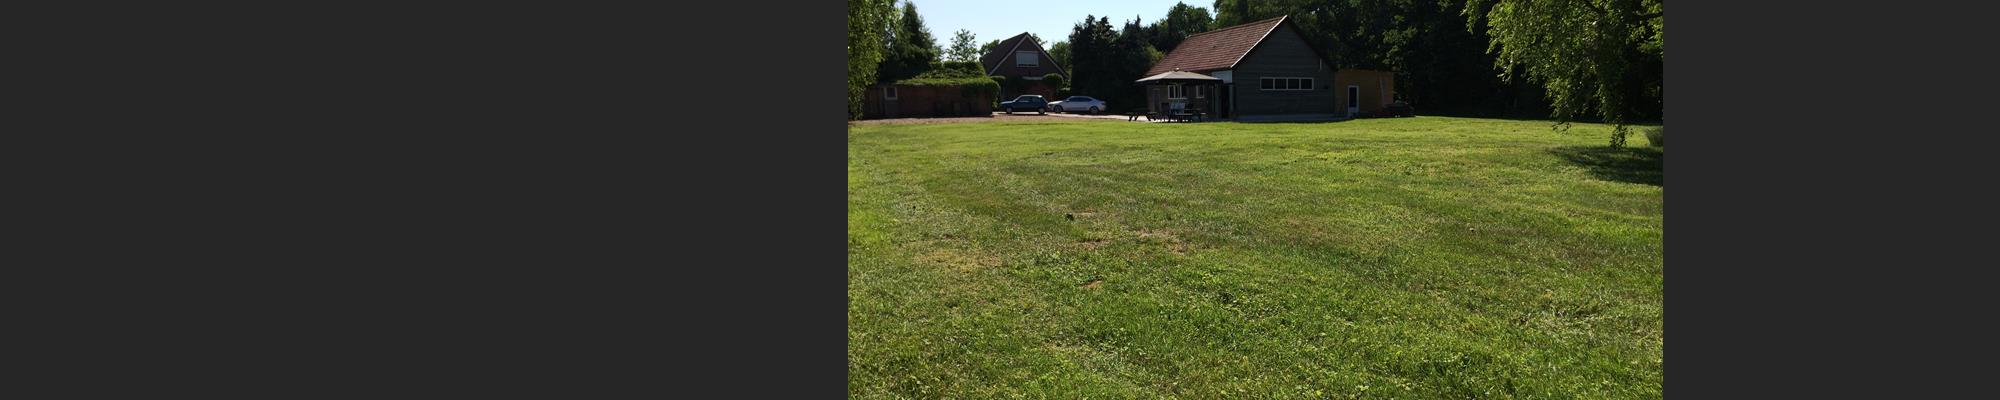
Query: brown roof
(1178,76)
(993,57)
(1216,50)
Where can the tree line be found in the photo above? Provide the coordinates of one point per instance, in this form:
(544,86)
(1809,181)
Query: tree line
(1600,60)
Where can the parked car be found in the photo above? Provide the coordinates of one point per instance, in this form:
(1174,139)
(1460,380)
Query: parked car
(1079,104)
(1026,102)
(1399,109)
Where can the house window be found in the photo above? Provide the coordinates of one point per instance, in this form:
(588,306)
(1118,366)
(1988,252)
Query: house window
(1174,92)
(1197,92)
(889,92)
(1285,83)
(1026,59)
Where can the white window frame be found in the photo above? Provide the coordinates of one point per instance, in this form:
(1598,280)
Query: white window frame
(1306,83)
(1018,60)
(1175,92)
(889,92)
(1353,99)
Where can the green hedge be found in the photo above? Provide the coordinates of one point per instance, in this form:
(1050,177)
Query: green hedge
(969,87)
(955,68)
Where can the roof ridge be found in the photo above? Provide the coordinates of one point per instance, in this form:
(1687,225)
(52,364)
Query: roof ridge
(1237,26)
(1204,52)
(1260,39)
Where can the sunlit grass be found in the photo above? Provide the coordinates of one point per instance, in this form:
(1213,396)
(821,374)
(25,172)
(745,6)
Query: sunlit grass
(1399,258)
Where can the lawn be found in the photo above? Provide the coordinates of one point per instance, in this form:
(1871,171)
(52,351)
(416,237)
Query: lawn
(1420,258)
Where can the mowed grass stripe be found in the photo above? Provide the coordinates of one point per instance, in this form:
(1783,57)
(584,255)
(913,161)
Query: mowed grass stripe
(1426,257)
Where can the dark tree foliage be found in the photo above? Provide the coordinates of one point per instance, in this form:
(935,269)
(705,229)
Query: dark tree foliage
(912,49)
(1106,61)
(1181,21)
(1235,12)
(1091,58)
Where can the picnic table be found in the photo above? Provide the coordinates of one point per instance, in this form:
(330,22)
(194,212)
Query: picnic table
(1185,116)
(1134,115)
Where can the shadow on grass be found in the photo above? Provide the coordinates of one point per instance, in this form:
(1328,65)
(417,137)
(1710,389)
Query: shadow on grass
(1642,165)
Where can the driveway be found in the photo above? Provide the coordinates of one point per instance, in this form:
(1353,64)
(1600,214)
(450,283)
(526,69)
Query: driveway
(997,117)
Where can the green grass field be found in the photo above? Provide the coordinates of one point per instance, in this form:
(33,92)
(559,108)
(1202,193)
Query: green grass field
(1413,258)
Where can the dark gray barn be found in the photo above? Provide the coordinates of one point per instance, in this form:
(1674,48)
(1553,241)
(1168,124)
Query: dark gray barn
(1266,71)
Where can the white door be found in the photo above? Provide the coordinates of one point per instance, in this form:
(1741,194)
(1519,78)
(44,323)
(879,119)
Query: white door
(1353,100)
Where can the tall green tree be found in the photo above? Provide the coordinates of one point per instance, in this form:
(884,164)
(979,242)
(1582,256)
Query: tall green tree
(962,47)
(1181,21)
(867,20)
(1094,59)
(1589,55)
(912,50)
(1060,52)
(1236,12)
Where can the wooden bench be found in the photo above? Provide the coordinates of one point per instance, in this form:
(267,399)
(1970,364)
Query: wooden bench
(1134,115)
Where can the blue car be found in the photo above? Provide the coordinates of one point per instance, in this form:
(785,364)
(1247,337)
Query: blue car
(1026,102)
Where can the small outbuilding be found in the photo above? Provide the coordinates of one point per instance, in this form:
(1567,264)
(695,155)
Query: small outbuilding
(1176,92)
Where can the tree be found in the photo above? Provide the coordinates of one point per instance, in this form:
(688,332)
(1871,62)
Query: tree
(962,47)
(1181,21)
(912,50)
(1060,52)
(866,22)
(1105,62)
(987,48)
(1233,12)
(1094,70)
(1589,55)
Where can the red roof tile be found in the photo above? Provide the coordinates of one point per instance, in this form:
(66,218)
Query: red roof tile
(1215,50)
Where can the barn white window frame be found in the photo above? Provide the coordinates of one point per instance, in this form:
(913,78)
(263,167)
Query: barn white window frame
(1306,83)
(889,92)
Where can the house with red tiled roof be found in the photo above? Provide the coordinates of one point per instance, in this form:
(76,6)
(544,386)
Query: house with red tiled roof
(1021,58)
(1262,70)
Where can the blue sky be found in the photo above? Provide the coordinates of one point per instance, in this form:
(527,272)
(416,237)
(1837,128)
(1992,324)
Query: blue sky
(995,20)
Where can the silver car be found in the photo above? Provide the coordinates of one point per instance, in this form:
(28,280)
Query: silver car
(1079,104)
